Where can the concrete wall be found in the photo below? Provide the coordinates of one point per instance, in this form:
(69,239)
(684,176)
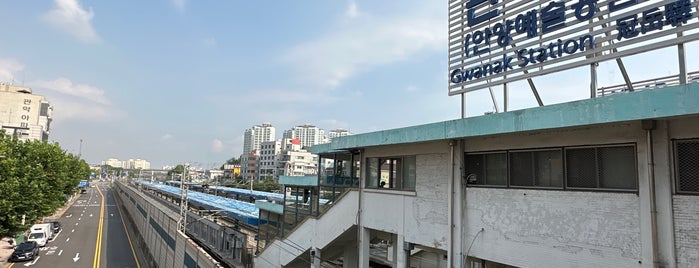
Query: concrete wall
(534,228)
(685,208)
(421,216)
(158,228)
(687,230)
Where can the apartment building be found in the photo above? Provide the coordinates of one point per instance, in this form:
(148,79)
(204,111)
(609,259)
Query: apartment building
(23,114)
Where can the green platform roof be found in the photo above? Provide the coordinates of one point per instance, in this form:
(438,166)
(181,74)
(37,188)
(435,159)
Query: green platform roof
(647,104)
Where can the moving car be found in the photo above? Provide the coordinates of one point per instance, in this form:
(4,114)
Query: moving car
(25,251)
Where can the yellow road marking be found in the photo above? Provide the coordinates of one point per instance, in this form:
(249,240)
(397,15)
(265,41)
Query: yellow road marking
(11,264)
(128,236)
(98,243)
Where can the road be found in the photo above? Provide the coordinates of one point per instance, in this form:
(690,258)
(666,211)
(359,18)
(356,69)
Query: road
(92,224)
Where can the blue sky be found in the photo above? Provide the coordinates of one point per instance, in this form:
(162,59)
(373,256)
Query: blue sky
(174,81)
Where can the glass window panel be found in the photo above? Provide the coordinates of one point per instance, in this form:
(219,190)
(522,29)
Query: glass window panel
(475,169)
(372,173)
(521,170)
(549,168)
(581,168)
(409,175)
(496,169)
(617,167)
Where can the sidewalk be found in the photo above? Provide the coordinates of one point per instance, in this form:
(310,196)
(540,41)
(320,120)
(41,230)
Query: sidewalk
(5,252)
(5,248)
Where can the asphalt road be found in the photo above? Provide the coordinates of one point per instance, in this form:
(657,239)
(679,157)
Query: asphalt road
(84,233)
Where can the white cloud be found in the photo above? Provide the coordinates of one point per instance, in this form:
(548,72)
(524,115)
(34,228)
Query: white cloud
(330,60)
(167,137)
(179,5)
(65,86)
(352,10)
(9,69)
(69,16)
(217,146)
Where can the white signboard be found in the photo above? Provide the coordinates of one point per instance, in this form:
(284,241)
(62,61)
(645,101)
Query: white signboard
(492,42)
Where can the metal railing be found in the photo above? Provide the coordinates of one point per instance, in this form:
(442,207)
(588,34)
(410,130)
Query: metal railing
(660,82)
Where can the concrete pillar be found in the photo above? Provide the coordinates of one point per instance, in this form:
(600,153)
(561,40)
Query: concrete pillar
(399,252)
(350,256)
(364,237)
(315,258)
(663,195)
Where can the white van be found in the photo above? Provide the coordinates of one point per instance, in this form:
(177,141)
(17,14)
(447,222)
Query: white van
(41,233)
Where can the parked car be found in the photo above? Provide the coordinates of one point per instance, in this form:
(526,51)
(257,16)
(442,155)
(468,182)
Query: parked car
(41,233)
(55,226)
(25,251)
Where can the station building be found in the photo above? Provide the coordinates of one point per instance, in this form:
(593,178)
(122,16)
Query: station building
(609,181)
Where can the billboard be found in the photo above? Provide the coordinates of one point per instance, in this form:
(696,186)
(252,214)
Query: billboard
(492,42)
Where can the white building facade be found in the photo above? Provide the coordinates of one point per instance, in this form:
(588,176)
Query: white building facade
(252,139)
(308,134)
(23,114)
(556,186)
(337,133)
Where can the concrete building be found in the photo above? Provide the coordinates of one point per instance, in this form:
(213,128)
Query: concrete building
(269,155)
(337,133)
(250,170)
(555,186)
(127,164)
(609,181)
(113,162)
(136,164)
(296,161)
(252,139)
(24,114)
(308,134)
(257,135)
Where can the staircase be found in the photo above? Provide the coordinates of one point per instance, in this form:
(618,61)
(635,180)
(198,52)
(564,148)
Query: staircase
(329,230)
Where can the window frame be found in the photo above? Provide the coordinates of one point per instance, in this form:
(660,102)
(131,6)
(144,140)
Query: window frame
(676,166)
(562,150)
(485,169)
(597,164)
(401,171)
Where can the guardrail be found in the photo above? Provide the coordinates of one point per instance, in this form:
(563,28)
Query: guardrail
(660,82)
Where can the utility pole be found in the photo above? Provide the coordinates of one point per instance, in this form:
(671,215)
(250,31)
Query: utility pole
(182,224)
(80,150)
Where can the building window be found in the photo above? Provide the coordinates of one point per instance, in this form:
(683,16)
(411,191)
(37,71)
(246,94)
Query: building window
(592,167)
(487,169)
(687,166)
(398,173)
(536,168)
(601,167)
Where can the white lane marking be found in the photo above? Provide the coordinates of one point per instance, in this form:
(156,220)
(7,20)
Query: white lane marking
(90,214)
(32,263)
(60,252)
(76,223)
(67,239)
(80,218)
(72,231)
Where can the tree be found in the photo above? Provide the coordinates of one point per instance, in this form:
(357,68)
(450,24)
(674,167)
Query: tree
(176,172)
(36,178)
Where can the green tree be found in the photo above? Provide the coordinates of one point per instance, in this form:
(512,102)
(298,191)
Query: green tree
(176,172)
(36,178)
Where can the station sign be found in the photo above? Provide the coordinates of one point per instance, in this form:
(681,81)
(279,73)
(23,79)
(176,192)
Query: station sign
(492,42)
